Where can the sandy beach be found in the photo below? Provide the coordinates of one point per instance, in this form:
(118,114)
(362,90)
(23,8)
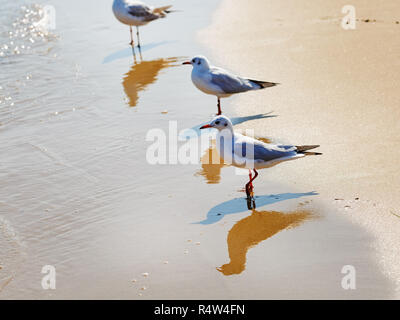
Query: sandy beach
(79,194)
(338,90)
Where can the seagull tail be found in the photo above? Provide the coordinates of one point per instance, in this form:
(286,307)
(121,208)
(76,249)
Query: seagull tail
(264,84)
(304,150)
(163,10)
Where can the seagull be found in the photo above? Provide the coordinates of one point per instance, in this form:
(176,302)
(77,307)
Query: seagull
(246,152)
(219,82)
(136,13)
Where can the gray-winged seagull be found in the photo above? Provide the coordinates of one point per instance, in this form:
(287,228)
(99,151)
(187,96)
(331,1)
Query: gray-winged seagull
(136,13)
(246,152)
(219,82)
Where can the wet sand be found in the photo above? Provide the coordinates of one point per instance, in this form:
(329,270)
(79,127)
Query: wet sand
(78,193)
(339,89)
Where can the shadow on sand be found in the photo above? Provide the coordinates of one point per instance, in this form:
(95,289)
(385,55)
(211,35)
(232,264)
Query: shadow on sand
(238,205)
(195,131)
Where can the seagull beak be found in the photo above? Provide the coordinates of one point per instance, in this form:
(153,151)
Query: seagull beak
(187,62)
(206,126)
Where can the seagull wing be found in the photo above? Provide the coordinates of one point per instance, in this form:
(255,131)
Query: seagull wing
(228,82)
(142,11)
(258,150)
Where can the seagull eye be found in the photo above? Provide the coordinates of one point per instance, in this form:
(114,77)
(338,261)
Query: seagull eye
(225,124)
(199,62)
(216,122)
(194,60)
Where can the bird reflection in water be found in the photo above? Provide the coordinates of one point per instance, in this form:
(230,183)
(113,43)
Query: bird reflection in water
(211,164)
(143,74)
(257,227)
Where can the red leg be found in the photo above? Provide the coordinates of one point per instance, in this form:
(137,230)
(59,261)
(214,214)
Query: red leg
(251,203)
(219,107)
(250,179)
(132,43)
(249,185)
(255,176)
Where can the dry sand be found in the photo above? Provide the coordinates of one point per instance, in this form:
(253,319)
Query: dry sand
(339,89)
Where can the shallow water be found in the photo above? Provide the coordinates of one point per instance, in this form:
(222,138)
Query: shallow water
(78,193)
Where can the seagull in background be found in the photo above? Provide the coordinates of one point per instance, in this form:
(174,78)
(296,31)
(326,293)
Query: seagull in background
(136,13)
(246,152)
(219,82)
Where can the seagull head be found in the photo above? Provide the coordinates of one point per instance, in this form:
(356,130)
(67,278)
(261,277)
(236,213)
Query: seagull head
(199,62)
(220,123)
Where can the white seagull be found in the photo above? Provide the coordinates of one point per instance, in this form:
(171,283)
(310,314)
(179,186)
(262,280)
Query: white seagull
(245,152)
(219,82)
(136,13)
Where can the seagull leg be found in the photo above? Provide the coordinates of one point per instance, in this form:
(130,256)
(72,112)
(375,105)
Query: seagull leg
(138,37)
(132,43)
(251,203)
(249,185)
(255,174)
(219,107)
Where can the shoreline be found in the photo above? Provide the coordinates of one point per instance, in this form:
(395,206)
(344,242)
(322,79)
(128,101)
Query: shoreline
(326,98)
(85,200)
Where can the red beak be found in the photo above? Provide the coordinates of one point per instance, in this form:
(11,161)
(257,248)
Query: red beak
(187,62)
(206,126)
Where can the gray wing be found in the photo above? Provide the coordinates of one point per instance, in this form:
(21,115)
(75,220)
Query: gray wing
(142,11)
(229,83)
(266,152)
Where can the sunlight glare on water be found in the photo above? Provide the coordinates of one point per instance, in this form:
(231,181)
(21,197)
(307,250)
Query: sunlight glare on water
(75,181)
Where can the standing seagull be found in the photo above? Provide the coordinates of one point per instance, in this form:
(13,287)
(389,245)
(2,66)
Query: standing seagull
(245,152)
(136,13)
(219,82)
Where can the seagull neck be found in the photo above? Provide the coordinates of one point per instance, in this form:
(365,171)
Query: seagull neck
(228,129)
(226,137)
(201,69)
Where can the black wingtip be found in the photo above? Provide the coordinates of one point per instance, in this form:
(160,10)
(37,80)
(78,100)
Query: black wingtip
(300,149)
(304,150)
(264,84)
(170,11)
